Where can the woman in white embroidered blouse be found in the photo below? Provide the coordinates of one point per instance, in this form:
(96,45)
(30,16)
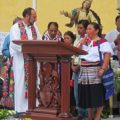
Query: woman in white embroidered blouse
(91,92)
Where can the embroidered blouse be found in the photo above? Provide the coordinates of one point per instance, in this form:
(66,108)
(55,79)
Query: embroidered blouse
(92,49)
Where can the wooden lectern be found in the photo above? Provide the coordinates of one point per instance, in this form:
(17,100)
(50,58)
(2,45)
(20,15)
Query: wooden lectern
(53,93)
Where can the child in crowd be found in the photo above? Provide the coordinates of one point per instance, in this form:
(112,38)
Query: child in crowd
(69,38)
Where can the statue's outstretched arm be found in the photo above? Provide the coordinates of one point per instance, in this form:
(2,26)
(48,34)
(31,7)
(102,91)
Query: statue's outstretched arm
(72,15)
(66,14)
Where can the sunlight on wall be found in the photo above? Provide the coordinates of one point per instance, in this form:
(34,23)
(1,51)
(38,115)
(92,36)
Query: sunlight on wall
(49,10)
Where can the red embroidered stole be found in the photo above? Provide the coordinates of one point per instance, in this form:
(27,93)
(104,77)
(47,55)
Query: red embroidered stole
(23,32)
(24,36)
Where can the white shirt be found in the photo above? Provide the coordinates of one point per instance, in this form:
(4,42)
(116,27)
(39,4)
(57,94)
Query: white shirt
(76,58)
(111,37)
(93,53)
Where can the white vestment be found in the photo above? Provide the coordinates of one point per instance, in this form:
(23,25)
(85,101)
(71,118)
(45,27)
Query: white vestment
(21,103)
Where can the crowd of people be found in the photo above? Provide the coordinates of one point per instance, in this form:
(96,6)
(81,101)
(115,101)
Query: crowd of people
(86,69)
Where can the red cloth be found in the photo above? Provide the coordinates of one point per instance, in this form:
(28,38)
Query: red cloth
(71,83)
(118,47)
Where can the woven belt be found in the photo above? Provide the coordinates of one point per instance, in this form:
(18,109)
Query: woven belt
(89,64)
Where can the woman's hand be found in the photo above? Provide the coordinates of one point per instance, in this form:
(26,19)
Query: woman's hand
(101,72)
(105,64)
(83,41)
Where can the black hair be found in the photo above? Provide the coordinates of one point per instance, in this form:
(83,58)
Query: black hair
(27,11)
(53,23)
(16,20)
(71,34)
(117,17)
(85,23)
(97,27)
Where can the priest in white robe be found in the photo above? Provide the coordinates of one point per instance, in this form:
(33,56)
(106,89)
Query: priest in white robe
(29,17)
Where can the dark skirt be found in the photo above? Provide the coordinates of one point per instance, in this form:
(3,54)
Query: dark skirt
(90,88)
(91,96)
